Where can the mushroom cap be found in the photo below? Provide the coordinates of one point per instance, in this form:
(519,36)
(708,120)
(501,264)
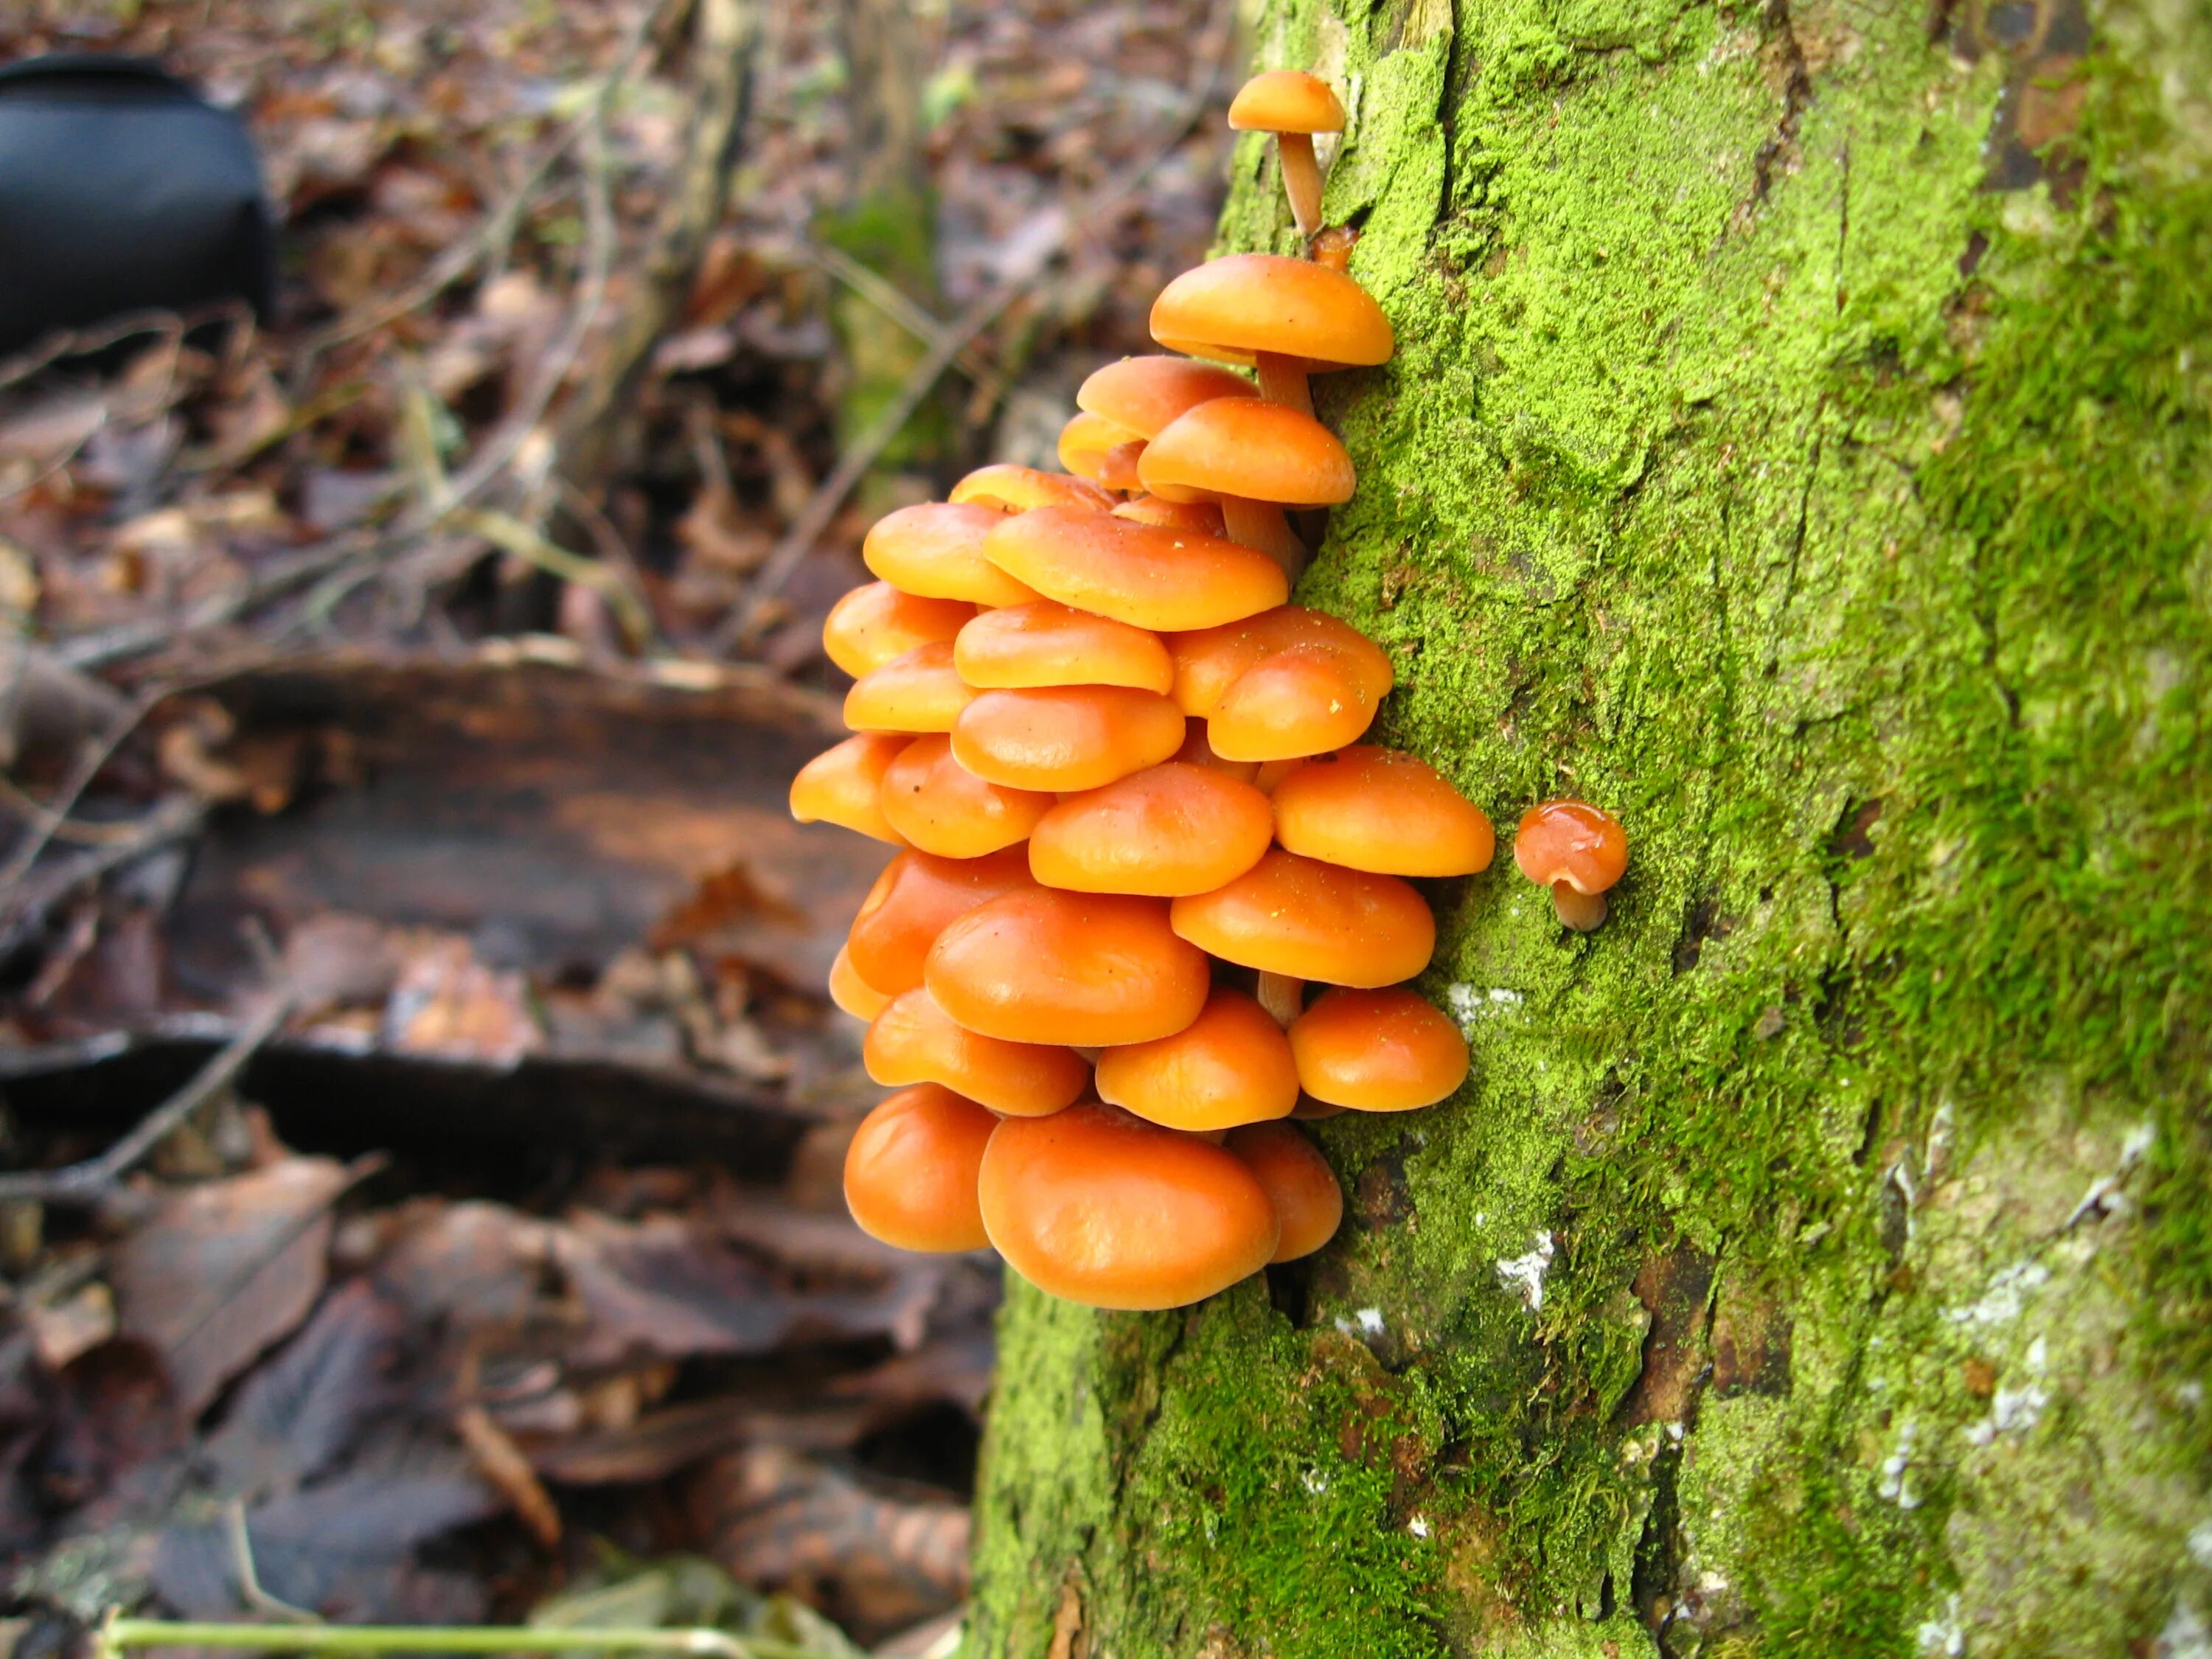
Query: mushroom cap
(1083,968)
(1139,574)
(1230,1066)
(1232,309)
(913,900)
(1208,661)
(1168,830)
(876,623)
(1048,643)
(850,992)
(935,550)
(1573,841)
(1144,394)
(921,691)
(912,1170)
(940,806)
(1065,738)
(1308,919)
(841,785)
(1301,1189)
(915,1041)
(1286,100)
(1386,1050)
(1100,1207)
(1298,702)
(1204,517)
(1250,447)
(1120,467)
(1019,488)
(1085,439)
(1197,751)
(1378,809)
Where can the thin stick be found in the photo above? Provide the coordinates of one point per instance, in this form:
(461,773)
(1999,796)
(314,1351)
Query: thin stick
(118,1634)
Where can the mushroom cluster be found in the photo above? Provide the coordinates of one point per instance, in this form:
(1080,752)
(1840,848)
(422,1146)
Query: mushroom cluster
(1152,897)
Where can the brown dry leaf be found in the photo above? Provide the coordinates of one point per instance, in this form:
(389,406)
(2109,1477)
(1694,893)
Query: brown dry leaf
(667,1287)
(725,898)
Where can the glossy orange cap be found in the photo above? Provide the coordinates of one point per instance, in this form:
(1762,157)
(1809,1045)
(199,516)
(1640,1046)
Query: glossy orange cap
(1050,644)
(1231,1065)
(1381,810)
(1301,1189)
(1084,440)
(1573,842)
(1144,394)
(1081,969)
(1211,660)
(1298,702)
(914,1040)
(911,1173)
(1250,447)
(913,902)
(850,992)
(1102,1208)
(1168,830)
(1377,1051)
(1286,100)
(942,807)
(921,691)
(1306,920)
(876,623)
(936,550)
(1139,574)
(1230,309)
(1065,738)
(1021,488)
(841,786)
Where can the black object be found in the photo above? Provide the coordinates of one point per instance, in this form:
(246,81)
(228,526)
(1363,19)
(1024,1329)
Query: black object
(122,190)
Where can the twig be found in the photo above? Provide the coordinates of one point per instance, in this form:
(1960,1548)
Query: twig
(894,302)
(512,535)
(249,1580)
(119,1634)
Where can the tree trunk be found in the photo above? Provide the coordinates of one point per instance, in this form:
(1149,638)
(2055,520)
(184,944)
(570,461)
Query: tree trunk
(1800,442)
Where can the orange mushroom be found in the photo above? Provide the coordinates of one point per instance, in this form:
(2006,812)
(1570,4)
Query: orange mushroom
(1231,1065)
(1084,440)
(1578,851)
(1294,106)
(1381,810)
(1254,458)
(1065,738)
(1145,394)
(935,551)
(850,992)
(1118,468)
(1086,970)
(1306,920)
(1142,575)
(1050,644)
(841,786)
(1287,318)
(921,691)
(911,1173)
(1197,751)
(1168,830)
(876,623)
(1204,517)
(942,807)
(1209,662)
(1022,489)
(914,1040)
(1301,1189)
(1285,685)
(915,899)
(1384,1050)
(1100,1207)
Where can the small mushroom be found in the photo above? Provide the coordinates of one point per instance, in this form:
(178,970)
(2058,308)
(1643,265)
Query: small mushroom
(914,1040)
(1230,1066)
(1387,1050)
(935,550)
(1579,852)
(940,806)
(921,691)
(1204,517)
(1208,662)
(1142,395)
(911,1173)
(1254,457)
(1099,1206)
(850,992)
(1307,920)
(1301,1189)
(841,785)
(915,899)
(1287,318)
(1065,738)
(1168,830)
(1085,439)
(1284,685)
(1011,488)
(1048,643)
(1378,809)
(1149,577)
(1085,969)
(876,623)
(1292,106)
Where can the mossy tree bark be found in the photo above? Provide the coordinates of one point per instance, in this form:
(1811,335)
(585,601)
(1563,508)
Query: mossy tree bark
(1800,442)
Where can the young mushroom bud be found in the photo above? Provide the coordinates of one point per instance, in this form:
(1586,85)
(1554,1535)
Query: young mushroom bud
(1377,809)
(1011,488)
(941,808)
(1168,830)
(914,900)
(1385,1050)
(843,785)
(1065,738)
(1301,1189)
(1305,919)
(1048,644)
(1231,1065)
(1293,106)
(912,1172)
(1165,580)
(918,692)
(1579,852)
(876,623)
(935,551)
(915,1041)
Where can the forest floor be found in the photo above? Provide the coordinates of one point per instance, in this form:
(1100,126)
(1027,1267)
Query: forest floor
(391,828)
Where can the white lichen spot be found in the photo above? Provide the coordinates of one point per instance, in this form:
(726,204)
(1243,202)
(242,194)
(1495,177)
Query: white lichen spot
(1944,1634)
(1419,1526)
(1526,1273)
(2184,1635)
(1712,1583)
(1470,1003)
(2002,1303)
(2200,1544)
(1896,1483)
(1315,1482)
(1675,1432)
(1367,1323)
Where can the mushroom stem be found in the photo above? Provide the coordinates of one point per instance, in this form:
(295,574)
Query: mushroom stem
(1090,1056)
(1283,997)
(1301,179)
(1584,912)
(1261,524)
(1283,380)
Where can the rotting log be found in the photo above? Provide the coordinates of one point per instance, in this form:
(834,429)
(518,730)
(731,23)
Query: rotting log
(1800,442)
